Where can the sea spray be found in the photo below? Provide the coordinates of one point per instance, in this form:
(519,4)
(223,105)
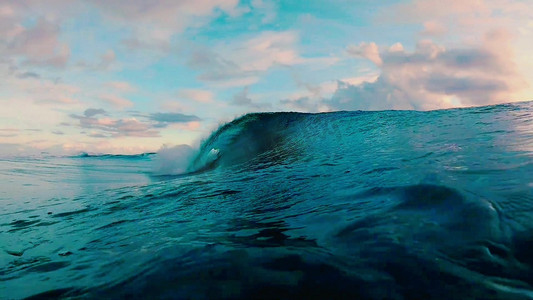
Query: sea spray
(173,160)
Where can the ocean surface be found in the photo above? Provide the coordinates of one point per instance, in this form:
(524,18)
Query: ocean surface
(343,205)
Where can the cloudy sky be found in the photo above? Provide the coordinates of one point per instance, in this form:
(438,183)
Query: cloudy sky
(128,76)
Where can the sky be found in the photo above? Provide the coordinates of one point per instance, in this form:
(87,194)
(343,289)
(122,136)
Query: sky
(129,76)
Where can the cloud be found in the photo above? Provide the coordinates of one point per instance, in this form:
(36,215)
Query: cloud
(432,28)
(173,118)
(306,103)
(241,62)
(103,63)
(369,51)
(265,50)
(60,99)
(218,70)
(469,22)
(91,112)
(312,96)
(266,9)
(12,149)
(37,45)
(121,86)
(245,101)
(39,90)
(28,75)
(241,98)
(433,76)
(116,101)
(422,10)
(197,95)
(145,126)
(107,59)
(8,132)
(116,127)
(157,21)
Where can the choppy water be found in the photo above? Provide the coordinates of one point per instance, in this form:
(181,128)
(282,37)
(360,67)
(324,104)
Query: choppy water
(355,205)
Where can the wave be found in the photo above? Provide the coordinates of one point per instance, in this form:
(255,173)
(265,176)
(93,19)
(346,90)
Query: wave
(247,138)
(257,140)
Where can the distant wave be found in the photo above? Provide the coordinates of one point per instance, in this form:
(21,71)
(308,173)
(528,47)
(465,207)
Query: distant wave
(111,156)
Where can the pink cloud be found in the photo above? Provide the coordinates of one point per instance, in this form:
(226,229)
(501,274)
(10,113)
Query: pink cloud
(33,89)
(433,28)
(38,45)
(9,132)
(109,127)
(369,51)
(267,10)
(103,63)
(121,86)
(241,62)
(201,96)
(157,21)
(433,76)
(423,10)
(165,12)
(107,59)
(101,125)
(116,101)
(99,146)
(267,49)
(60,99)
(190,126)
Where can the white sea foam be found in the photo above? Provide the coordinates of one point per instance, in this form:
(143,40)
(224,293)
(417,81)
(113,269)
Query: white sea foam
(173,160)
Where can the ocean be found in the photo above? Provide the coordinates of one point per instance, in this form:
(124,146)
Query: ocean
(341,205)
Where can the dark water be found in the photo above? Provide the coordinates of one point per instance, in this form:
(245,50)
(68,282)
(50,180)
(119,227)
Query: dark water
(347,205)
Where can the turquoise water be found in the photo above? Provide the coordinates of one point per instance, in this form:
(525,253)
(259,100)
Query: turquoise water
(366,205)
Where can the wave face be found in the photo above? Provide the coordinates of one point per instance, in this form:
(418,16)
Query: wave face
(344,205)
(249,138)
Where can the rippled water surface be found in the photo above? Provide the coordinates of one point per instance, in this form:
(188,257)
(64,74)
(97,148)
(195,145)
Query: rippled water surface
(367,205)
